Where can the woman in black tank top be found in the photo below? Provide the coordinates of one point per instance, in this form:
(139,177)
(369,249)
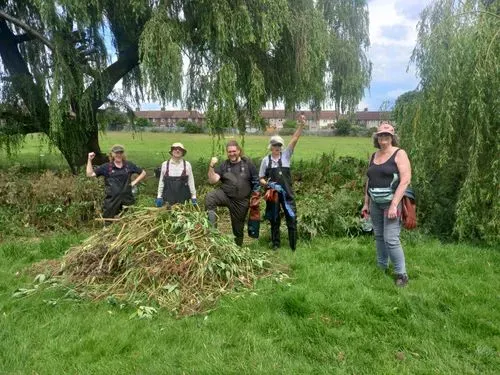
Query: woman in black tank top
(389,169)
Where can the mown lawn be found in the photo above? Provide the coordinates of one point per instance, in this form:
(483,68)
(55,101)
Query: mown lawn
(336,314)
(150,149)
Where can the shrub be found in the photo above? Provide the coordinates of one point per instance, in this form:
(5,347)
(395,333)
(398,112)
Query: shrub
(343,127)
(142,122)
(190,127)
(329,212)
(48,201)
(286,131)
(290,124)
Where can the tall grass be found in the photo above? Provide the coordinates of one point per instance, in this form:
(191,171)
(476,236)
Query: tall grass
(336,314)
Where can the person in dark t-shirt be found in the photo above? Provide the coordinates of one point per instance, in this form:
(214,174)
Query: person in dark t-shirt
(239,178)
(389,174)
(118,181)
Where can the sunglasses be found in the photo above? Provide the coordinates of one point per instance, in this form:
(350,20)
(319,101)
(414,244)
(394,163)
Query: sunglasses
(176,149)
(276,145)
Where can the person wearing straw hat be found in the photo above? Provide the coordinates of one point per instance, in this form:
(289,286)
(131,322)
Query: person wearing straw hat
(176,183)
(389,174)
(118,181)
(274,175)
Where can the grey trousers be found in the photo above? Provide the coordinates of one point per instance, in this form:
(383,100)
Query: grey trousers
(387,238)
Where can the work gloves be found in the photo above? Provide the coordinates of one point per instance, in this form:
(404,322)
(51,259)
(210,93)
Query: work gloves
(194,201)
(159,202)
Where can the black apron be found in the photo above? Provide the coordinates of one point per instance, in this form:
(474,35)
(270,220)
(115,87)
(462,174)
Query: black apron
(118,191)
(282,176)
(176,189)
(236,181)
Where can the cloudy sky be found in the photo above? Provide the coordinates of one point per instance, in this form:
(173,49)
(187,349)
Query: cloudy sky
(393,37)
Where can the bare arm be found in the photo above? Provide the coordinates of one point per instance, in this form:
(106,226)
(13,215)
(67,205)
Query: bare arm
(404,168)
(90,170)
(366,205)
(298,132)
(139,178)
(213,177)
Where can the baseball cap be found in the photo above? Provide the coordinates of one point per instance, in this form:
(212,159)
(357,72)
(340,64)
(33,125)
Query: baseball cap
(385,128)
(117,148)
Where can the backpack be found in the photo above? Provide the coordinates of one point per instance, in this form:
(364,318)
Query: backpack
(409,208)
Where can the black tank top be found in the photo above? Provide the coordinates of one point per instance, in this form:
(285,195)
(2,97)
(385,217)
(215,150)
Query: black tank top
(381,175)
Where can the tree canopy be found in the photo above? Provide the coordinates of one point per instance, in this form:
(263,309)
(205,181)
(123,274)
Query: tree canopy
(61,60)
(450,125)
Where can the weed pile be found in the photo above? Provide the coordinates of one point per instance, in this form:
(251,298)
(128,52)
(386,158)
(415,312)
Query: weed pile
(168,257)
(46,201)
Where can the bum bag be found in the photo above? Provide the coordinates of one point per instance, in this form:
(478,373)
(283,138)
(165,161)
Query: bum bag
(384,195)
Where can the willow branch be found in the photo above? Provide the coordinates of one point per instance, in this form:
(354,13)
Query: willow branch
(29,30)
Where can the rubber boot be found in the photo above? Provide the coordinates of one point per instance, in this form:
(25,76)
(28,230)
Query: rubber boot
(238,241)
(212,218)
(292,238)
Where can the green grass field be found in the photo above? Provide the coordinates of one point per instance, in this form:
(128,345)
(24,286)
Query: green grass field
(335,314)
(150,149)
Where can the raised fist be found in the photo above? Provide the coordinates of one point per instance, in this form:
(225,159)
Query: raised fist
(214,160)
(91,155)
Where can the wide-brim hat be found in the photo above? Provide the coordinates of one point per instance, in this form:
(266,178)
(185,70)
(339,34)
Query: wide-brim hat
(117,148)
(276,140)
(179,145)
(385,128)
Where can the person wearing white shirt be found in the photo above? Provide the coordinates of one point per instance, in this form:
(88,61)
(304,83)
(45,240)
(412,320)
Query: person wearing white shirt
(176,183)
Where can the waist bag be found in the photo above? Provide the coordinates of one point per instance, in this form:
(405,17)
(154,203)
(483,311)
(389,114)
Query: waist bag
(384,195)
(381,195)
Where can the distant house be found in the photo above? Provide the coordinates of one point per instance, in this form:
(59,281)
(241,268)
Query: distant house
(275,118)
(314,120)
(170,118)
(371,119)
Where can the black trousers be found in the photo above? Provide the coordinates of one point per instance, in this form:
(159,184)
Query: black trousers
(113,205)
(291,222)
(238,211)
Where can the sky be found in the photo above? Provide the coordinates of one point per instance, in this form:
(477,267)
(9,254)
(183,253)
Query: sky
(393,35)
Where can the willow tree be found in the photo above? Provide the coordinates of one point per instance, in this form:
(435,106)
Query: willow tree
(450,126)
(227,57)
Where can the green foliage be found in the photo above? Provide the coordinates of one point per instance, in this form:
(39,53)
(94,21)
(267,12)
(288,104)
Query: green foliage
(329,194)
(190,127)
(290,124)
(343,127)
(142,122)
(239,54)
(112,118)
(47,201)
(326,212)
(450,127)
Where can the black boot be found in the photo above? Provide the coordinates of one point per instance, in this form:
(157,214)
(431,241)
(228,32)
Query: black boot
(292,238)
(275,235)
(238,241)
(212,218)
